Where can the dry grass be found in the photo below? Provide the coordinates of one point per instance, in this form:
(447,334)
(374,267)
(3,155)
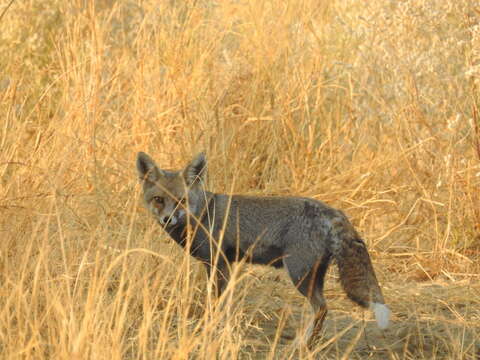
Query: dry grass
(369,106)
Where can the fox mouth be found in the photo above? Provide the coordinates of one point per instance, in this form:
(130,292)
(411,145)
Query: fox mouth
(169,226)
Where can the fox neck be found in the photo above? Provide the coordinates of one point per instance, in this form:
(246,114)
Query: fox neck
(195,222)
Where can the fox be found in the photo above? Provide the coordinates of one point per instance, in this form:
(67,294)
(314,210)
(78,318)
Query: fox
(300,234)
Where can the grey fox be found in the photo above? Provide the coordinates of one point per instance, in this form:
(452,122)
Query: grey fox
(301,234)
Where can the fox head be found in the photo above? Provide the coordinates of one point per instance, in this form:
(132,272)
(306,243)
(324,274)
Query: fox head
(172,196)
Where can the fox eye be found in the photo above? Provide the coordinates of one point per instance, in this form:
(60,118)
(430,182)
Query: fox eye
(158,200)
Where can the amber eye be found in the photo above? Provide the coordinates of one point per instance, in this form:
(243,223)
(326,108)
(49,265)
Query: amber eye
(158,200)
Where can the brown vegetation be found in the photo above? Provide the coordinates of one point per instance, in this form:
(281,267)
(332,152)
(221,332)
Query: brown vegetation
(371,107)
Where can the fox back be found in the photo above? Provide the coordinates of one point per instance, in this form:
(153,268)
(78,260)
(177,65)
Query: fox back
(301,234)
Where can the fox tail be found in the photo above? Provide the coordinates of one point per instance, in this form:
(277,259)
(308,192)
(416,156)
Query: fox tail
(356,272)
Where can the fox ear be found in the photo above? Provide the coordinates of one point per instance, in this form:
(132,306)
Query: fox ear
(147,169)
(196,169)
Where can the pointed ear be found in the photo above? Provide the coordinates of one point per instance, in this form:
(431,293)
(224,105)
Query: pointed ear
(196,170)
(147,169)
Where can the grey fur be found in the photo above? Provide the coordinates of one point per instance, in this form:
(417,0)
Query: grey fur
(301,234)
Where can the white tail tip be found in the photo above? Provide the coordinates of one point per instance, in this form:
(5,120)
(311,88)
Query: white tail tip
(382,314)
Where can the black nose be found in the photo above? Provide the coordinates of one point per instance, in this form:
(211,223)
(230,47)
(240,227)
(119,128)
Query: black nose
(165,219)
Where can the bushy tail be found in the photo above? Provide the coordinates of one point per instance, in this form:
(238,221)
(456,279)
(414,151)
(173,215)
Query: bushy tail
(356,271)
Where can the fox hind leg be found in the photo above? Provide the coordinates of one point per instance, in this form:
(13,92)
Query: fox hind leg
(309,281)
(320,311)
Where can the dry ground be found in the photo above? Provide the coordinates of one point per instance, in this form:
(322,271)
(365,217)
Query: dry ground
(371,107)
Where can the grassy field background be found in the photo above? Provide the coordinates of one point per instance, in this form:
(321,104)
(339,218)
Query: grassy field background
(368,106)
